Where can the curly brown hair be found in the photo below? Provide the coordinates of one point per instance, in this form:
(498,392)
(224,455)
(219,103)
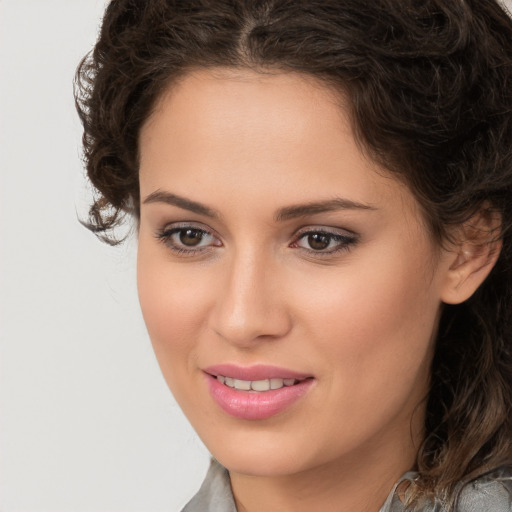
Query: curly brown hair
(429,84)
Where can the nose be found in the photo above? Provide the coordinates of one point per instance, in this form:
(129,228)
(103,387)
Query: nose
(251,304)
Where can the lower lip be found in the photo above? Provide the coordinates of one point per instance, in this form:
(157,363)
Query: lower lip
(256,405)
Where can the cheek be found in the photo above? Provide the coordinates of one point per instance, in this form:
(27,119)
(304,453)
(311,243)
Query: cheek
(172,301)
(374,301)
(376,324)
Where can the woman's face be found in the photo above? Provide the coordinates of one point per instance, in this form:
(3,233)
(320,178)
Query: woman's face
(273,254)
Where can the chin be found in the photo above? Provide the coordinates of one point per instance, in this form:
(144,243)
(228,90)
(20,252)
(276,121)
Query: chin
(259,463)
(266,453)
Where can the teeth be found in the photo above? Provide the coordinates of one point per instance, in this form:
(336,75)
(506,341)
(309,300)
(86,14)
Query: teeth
(276,383)
(244,385)
(255,385)
(260,385)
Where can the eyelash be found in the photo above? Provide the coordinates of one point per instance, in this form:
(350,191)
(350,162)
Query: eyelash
(166,237)
(344,242)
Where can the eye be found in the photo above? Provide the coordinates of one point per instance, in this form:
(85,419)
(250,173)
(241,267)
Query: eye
(190,237)
(187,239)
(324,242)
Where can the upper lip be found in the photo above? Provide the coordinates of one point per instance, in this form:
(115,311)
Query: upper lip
(254,372)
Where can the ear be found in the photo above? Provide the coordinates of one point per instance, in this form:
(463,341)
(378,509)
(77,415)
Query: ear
(472,255)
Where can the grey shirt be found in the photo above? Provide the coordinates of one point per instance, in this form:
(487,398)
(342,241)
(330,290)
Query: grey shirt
(491,493)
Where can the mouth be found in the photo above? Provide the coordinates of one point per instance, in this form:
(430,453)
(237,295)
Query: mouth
(258,392)
(257,385)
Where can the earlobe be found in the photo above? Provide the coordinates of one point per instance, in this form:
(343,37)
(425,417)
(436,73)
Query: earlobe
(472,258)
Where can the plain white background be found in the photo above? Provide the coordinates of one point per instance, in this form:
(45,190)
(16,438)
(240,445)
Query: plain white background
(87,423)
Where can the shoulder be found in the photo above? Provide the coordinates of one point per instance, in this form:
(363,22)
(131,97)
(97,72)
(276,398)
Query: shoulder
(489,493)
(215,493)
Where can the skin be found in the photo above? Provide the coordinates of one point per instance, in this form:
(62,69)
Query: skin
(360,320)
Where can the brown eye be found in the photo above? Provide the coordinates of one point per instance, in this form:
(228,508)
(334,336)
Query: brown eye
(325,242)
(319,241)
(191,237)
(187,240)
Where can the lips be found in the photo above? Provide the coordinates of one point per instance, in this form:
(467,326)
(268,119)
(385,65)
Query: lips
(255,372)
(256,392)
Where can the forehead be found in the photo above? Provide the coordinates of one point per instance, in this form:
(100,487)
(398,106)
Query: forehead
(256,119)
(249,134)
(263,107)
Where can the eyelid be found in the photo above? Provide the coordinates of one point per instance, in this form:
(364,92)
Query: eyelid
(347,239)
(184,225)
(165,234)
(344,238)
(328,230)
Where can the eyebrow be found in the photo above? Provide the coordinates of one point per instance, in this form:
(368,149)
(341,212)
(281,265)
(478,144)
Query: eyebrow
(302,210)
(159,196)
(283,214)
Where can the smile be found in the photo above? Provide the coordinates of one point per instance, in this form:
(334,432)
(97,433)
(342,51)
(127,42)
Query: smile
(257,392)
(256,385)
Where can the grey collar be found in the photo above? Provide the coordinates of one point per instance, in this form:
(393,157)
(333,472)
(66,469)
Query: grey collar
(489,493)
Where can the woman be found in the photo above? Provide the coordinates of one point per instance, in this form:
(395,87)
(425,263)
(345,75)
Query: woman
(322,192)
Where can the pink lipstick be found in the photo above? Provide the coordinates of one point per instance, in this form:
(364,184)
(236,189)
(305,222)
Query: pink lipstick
(256,392)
